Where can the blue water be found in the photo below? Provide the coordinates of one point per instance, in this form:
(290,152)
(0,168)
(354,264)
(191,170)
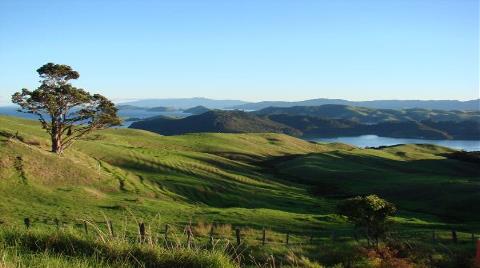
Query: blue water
(375,141)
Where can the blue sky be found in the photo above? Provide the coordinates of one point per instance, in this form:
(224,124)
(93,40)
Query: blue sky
(250,50)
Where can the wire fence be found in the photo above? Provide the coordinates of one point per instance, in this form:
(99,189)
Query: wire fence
(192,233)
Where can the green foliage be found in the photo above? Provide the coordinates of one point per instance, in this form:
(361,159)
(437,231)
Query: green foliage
(369,213)
(73,112)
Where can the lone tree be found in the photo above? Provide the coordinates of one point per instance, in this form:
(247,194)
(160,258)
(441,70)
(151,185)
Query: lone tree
(65,112)
(369,213)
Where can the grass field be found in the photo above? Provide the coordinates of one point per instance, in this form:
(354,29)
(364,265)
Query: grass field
(252,181)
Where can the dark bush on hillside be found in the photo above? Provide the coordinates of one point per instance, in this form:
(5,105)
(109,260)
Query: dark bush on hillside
(369,214)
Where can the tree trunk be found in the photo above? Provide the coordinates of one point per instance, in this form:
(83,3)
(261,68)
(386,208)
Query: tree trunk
(56,142)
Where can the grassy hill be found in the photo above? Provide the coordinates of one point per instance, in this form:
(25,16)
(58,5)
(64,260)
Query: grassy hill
(247,180)
(119,168)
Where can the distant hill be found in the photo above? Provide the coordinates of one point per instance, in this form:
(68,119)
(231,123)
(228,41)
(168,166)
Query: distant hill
(130,107)
(162,109)
(308,126)
(324,127)
(373,116)
(379,104)
(214,121)
(197,110)
(185,103)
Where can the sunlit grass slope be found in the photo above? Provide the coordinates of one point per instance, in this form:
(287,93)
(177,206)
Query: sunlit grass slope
(259,180)
(181,178)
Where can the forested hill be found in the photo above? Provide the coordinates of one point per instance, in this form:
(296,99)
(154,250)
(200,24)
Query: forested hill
(373,116)
(326,121)
(215,121)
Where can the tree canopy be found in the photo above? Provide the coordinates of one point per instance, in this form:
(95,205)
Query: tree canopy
(369,213)
(65,112)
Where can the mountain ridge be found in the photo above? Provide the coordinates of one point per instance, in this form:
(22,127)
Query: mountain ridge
(185,103)
(378,104)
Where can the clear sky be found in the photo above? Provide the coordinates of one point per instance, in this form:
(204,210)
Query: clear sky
(249,50)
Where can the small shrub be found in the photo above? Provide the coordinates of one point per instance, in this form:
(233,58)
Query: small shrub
(385,257)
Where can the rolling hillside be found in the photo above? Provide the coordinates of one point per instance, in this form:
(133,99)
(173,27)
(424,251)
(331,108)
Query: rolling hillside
(271,179)
(252,181)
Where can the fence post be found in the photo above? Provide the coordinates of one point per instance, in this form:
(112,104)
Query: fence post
(110,228)
(264,237)
(189,236)
(26,221)
(141,229)
(477,256)
(211,236)
(166,232)
(454,236)
(237,233)
(288,238)
(85,227)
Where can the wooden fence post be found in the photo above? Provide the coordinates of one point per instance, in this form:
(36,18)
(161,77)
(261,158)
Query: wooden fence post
(26,221)
(264,236)
(189,236)
(141,229)
(166,232)
(237,233)
(287,238)
(454,236)
(477,256)
(110,228)
(85,228)
(211,236)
